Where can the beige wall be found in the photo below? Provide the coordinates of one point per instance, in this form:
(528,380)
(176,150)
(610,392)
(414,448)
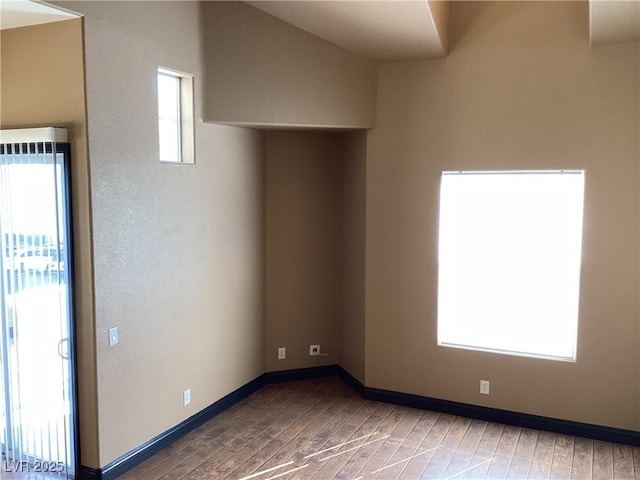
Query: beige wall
(315,199)
(40,86)
(263,71)
(315,208)
(352,258)
(303,244)
(178,248)
(520,89)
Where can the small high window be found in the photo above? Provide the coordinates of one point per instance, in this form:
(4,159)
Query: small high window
(175,116)
(510,246)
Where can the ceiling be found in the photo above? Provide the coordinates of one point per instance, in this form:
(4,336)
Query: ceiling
(382,30)
(391,30)
(22,13)
(400,30)
(614,22)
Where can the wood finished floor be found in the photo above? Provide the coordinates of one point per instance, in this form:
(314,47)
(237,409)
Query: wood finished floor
(321,429)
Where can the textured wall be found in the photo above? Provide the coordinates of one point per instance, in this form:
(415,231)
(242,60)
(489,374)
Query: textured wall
(520,89)
(178,249)
(352,258)
(303,245)
(315,211)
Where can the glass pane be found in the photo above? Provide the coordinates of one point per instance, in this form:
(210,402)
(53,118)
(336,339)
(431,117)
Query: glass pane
(35,313)
(168,96)
(169,127)
(169,140)
(509,261)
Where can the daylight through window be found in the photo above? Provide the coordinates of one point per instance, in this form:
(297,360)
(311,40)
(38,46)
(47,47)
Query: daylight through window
(175,116)
(510,247)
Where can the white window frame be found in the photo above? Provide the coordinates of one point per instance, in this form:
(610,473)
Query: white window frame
(185,136)
(515,310)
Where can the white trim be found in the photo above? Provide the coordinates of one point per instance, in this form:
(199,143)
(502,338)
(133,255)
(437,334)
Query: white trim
(32,135)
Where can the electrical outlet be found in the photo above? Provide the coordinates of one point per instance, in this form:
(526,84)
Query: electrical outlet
(484,387)
(186,397)
(113,336)
(314,350)
(282,353)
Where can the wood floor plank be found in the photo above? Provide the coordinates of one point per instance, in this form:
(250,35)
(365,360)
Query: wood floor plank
(622,461)
(519,468)
(425,422)
(182,464)
(562,457)
(323,437)
(438,463)
(508,441)
(499,466)
(416,465)
(285,439)
(526,444)
(321,429)
(255,436)
(458,464)
(438,431)
(582,459)
(410,447)
(348,432)
(332,466)
(291,451)
(398,422)
(456,433)
(542,456)
(479,465)
(636,461)
(490,437)
(371,435)
(472,436)
(602,459)
(208,447)
(306,428)
(267,453)
(399,448)
(429,447)
(397,463)
(426,447)
(154,467)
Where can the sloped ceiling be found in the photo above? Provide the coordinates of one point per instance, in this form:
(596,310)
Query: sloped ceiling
(22,13)
(614,21)
(382,30)
(385,31)
(400,30)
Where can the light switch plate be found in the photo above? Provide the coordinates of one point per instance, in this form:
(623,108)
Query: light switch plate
(113,336)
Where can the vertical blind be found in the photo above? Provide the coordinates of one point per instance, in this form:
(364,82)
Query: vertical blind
(36,338)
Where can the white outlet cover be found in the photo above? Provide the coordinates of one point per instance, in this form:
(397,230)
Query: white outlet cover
(186,397)
(484,387)
(282,353)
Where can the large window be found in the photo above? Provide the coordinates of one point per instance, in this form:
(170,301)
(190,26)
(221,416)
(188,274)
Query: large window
(175,116)
(510,246)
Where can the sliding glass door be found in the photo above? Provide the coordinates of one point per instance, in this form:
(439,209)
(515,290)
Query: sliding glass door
(37,401)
